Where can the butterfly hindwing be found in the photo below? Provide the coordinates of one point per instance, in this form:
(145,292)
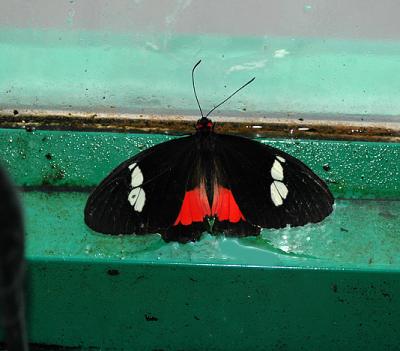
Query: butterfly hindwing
(271,188)
(145,193)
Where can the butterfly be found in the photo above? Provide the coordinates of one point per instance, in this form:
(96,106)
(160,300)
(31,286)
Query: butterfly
(207,182)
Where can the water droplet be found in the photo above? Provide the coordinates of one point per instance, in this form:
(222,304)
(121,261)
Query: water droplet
(307,8)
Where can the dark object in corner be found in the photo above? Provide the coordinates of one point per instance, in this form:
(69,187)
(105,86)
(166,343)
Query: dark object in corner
(12,267)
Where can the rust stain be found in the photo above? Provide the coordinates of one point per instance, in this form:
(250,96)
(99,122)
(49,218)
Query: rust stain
(175,124)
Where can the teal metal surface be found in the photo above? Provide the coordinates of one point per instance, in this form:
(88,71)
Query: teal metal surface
(150,72)
(343,240)
(118,306)
(366,170)
(365,176)
(326,286)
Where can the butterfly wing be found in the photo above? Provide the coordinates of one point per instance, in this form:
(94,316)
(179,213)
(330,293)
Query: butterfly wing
(145,193)
(271,188)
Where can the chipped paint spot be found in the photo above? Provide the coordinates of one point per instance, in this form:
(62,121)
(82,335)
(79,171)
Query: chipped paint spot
(248,66)
(281,53)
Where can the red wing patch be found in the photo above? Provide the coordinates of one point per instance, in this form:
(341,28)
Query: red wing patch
(194,208)
(225,207)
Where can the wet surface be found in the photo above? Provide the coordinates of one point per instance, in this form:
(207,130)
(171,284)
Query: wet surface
(359,234)
(81,159)
(363,230)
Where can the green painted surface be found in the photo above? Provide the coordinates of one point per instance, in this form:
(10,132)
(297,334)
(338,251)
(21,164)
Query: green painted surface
(105,305)
(328,286)
(332,285)
(365,175)
(111,71)
(360,170)
(361,234)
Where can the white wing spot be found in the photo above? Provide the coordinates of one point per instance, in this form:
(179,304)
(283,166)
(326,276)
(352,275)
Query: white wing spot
(281,159)
(276,198)
(277,171)
(137,196)
(137,177)
(282,189)
(279,192)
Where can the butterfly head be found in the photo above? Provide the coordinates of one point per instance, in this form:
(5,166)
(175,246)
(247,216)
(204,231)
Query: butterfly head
(204,125)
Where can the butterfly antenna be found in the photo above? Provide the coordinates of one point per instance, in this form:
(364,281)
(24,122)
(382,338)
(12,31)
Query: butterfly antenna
(194,88)
(215,107)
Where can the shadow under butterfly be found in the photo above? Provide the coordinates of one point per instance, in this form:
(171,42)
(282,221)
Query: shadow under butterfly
(207,182)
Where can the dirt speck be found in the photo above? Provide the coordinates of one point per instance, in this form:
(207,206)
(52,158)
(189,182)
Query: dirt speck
(150,318)
(113,272)
(387,215)
(55,175)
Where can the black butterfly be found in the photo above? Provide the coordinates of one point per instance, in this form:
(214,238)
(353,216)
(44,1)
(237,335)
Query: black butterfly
(207,182)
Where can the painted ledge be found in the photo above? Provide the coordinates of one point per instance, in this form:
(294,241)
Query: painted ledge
(290,126)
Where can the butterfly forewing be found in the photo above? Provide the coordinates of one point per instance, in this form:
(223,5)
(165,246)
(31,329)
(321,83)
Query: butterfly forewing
(272,188)
(144,194)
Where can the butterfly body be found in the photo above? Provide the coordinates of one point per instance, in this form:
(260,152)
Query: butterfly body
(223,184)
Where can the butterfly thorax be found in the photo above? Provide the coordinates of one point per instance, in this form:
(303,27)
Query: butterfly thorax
(204,163)
(204,125)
